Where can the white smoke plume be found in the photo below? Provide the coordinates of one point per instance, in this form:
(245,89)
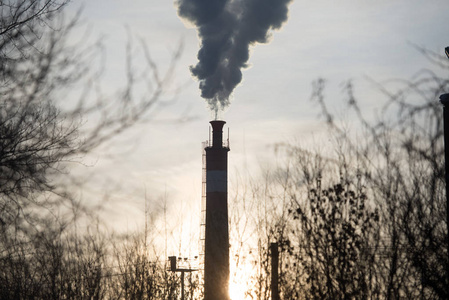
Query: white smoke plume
(227,29)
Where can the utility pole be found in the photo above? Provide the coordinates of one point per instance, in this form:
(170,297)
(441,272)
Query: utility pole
(444,99)
(274,271)
(173,268)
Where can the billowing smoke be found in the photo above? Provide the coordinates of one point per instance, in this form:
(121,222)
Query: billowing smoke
(227,29)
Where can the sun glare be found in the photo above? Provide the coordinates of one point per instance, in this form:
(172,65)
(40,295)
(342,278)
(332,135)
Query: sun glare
(239,282)
(237,290)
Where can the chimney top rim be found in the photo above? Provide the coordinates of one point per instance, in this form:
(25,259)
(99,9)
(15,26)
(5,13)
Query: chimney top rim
(217,122)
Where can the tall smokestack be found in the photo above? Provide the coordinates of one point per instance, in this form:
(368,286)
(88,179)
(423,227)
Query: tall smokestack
(216,256)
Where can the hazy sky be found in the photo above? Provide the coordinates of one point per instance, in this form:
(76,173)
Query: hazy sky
(335,40)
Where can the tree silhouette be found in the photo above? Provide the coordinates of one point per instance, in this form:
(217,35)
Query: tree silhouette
(381,231)
(43,129)
(336,243)
(402,155)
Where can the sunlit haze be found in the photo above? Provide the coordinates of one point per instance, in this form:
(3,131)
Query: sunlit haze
(160,161)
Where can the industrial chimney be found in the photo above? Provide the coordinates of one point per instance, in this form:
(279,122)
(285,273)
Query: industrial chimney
(216,247)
